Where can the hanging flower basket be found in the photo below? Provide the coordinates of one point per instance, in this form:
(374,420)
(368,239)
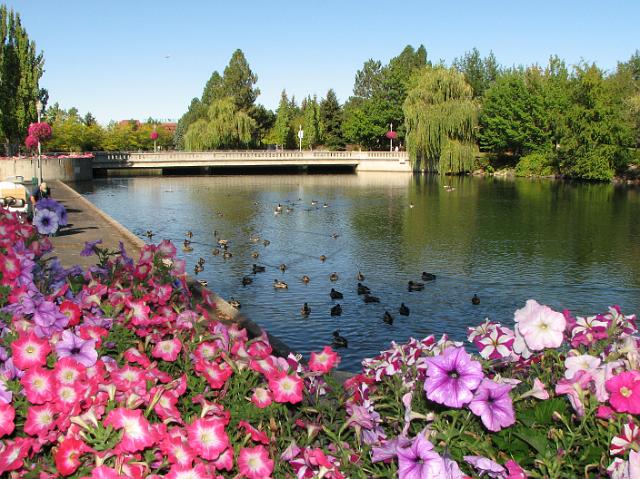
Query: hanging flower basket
(392,135)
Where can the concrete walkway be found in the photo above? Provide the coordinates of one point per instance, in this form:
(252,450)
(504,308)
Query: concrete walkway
(87,223)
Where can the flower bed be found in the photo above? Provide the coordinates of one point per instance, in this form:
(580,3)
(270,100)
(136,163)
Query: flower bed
(121,372)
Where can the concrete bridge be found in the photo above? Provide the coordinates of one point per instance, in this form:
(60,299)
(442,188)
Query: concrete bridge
(110,162)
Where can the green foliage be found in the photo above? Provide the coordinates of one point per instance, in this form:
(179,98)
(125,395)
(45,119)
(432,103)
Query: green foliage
(313,127)
(20,70)
(441,119)
(331,118)
(197,111)
(478,72)
(226,127)
(282,132)
(535,164)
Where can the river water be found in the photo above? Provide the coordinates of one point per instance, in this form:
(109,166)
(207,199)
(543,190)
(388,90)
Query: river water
(574,246)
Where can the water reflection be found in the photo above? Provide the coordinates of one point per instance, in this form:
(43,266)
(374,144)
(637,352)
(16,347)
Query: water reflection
(569,245)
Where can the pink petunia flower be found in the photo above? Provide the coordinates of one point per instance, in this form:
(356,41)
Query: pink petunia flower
(575,389)
(67,457)
(256,434)
(261,397)
(14,452)
(38,384)
(29,350)
(208,438)
(540,326)
(286,388)
(137,434)
(225,460)
(325,361)
(627,438)
(583,362)
(254,462)
(167,350)
(624,390)
(7,415)
(40,420)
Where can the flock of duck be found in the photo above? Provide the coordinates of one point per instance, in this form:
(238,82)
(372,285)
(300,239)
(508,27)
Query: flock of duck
(222,248)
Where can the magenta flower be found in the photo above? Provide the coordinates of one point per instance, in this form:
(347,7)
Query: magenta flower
(83,351)
(30,142)
(48,319)
(452,377)
(484,465)
(493,404)
(419,460)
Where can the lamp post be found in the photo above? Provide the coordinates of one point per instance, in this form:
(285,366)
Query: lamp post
(39,108)
(300,136)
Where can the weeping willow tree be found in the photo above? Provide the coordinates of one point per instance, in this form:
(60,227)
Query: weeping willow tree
(441,119)
(226,127)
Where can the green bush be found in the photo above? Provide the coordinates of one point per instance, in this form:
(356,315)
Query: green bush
(535,164)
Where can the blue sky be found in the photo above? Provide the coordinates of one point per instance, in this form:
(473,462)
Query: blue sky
(108,57)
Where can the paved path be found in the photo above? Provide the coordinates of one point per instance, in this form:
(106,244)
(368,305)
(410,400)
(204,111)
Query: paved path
(87,223)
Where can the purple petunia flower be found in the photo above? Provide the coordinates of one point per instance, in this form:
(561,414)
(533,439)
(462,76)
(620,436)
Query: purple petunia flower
(45,221)
(48,319)
(71,346)
(452,377)
(493,404)
(419,460)
(89,247)
(388,450)
(484,465)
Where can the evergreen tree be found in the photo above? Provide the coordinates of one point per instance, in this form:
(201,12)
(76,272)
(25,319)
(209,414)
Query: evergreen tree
(197,111)
(213,90)
(478,72)
(238,82)
(20,70)
(331,117)
(282,133)
(312,125)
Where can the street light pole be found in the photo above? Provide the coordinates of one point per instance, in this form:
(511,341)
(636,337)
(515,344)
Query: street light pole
(39,108)
(391,137)
(300,136)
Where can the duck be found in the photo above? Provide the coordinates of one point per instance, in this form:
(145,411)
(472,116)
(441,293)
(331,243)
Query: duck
(428,276)
(335,236)
(220,214)
(360,276)
(325,205)
(258,269)
(280,284)
(235,303)
(255,254)
(203,282)
(415,286)
(314,202)
(289,209)
(333,276)
(335,294)
(371,299)
(404,309)
(339,341)
(362,289)
(266,242)
(186,248)
(254,239)
(323,258)
(227,254)
(411,205)
(215,233)
(201,261)
(215,251)
(305,310)
(246,280)
(198,269)
(387,318)
(149,234)
(189,234)
(336,310)
(223,242)
(282,267)
(306,279)
(278,209)
(475,300)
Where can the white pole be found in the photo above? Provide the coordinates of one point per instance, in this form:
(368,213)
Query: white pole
(39,108)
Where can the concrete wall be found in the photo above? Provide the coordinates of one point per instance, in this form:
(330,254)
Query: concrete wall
(384,165)
(64,169)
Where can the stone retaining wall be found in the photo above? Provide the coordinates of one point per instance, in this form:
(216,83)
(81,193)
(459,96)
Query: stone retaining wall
(63,169)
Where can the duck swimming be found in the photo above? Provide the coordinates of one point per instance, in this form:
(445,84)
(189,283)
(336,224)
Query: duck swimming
(215,251)
(255,254)
(186,248)
(305,310)
(336,310)
(360,276)
(246,280)
(371,299)
(323,258)
(428,276)
(339,341)
(266,242)
(475,300)
(335,294)
(404,310)
(189,234)
(280,284)
(227,254)
(283,267)
(198,269)
(306,279)
(415,286)
(333,276)
(203,282)
(362,289)
(235,303)
(223,242)
(335,236)
(257,269)
(201,261)
(387,318)
(149,234)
